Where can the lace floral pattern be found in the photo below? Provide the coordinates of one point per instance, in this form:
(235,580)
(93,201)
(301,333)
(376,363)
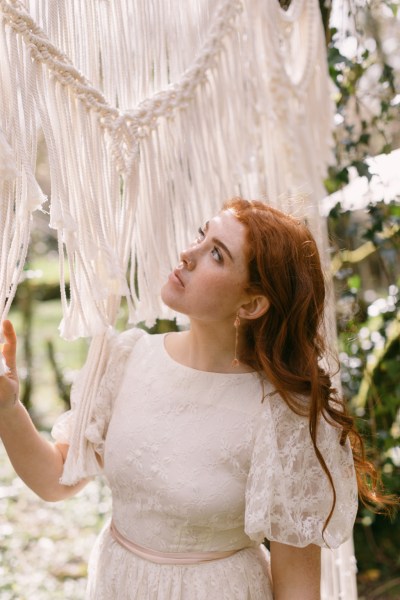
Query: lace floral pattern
(288,496)
(196,462)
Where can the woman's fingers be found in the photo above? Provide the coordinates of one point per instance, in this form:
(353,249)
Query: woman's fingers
(10,346)
(9,384)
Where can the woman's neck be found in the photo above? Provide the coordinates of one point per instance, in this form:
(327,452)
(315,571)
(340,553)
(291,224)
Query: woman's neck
(205,348)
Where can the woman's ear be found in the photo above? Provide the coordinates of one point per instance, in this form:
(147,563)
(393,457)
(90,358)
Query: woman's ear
(255,308)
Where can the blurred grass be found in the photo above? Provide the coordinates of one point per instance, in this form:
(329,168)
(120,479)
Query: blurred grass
(44,547)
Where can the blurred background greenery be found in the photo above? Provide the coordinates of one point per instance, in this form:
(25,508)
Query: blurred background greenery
(363,207)
(364,226)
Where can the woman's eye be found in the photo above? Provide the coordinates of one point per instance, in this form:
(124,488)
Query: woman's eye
(217,254)
(201,235)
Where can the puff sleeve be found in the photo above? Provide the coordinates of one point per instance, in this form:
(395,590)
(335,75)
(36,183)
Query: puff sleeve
(84,427)
(288,495)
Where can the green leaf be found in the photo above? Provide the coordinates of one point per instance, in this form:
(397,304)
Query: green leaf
(386,149)
(335,57)
(354,282)
(343,175)
(364,139)
(362,169)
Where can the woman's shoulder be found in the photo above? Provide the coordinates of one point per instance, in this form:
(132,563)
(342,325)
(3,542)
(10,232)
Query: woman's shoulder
(136,343)
(130,334)
(125,340)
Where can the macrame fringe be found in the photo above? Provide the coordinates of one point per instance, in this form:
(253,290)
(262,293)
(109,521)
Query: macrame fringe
(20,194)
(82,461)
(130,185)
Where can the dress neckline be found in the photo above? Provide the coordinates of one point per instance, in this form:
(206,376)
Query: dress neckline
(199,372)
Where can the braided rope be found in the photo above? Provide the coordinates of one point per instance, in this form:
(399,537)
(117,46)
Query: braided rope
(180,94)
(45,52)
(125,126)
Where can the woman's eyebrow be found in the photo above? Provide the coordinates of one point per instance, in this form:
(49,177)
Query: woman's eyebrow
(219,243)
(222,245)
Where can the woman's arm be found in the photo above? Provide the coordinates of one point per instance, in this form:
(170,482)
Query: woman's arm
(37,461)
(296,572)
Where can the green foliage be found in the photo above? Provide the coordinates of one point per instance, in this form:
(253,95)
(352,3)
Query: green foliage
(366,268)
(368,303)
(366,91)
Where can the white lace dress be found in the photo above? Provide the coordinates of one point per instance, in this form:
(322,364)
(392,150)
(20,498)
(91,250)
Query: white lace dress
(197,462)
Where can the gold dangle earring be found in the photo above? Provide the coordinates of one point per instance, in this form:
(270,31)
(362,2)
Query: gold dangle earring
(236,324)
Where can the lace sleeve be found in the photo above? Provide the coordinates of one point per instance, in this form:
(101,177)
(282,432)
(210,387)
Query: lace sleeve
(120,349)
(91,440)
(288,495)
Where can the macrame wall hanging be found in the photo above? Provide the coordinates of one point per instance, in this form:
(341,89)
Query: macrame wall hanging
(153,114)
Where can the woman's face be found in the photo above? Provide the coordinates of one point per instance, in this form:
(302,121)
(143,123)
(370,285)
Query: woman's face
(209,283)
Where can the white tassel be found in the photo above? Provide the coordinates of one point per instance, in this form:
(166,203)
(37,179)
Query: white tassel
(8,169)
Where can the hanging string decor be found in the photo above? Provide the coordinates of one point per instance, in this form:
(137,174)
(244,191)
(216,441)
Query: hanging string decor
(120,117)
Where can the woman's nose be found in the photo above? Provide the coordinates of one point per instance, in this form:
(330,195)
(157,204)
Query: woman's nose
(187,260)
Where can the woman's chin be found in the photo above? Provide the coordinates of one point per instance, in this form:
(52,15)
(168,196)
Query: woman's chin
(167,298)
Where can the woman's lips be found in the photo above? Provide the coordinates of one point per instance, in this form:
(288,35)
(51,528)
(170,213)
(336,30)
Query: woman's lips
(175,278)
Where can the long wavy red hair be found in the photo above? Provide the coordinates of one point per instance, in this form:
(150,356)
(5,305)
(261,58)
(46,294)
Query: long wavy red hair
(288,342)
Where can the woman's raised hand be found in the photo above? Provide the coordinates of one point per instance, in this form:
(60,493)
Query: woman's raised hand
(9,384)
(37,461)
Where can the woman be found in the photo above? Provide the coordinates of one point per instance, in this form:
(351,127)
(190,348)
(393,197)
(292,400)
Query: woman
(217,437)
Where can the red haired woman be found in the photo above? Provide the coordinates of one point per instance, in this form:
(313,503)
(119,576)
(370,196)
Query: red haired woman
(215,438)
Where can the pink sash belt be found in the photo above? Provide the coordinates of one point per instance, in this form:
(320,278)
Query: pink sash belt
(167,558)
